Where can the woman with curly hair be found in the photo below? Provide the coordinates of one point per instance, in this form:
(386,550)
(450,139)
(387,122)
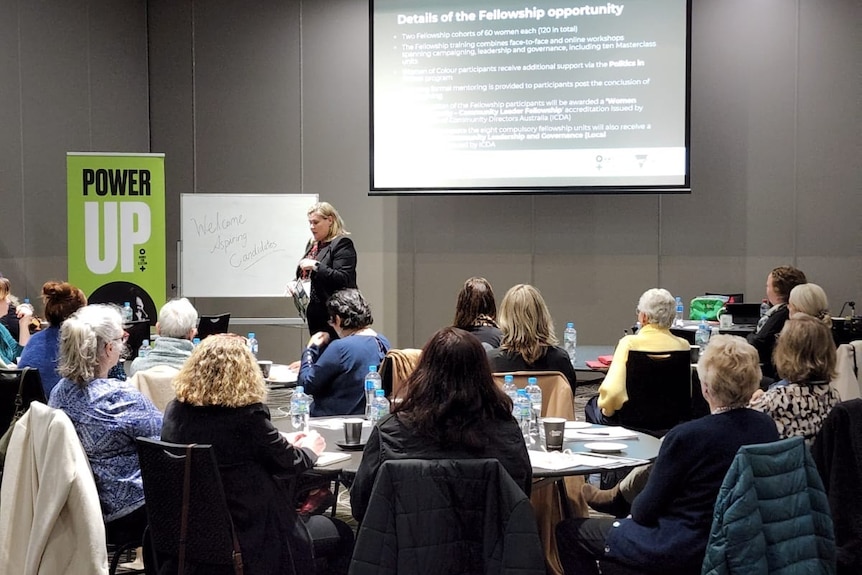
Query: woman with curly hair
(476,312)
(220,401)
(529,343)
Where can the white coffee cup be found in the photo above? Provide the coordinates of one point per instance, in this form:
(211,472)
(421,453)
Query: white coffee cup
(725,321)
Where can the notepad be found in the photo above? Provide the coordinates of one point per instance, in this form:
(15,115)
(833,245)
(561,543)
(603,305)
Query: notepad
(330,457)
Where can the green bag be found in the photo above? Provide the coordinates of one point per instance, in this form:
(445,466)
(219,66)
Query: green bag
(707,307)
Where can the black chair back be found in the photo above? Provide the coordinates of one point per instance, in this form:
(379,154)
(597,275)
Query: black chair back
(213,324)
(209,535)
(138,331)
(10,382)
(659,390)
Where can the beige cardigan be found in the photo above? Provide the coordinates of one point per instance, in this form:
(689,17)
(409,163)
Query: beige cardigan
(50,517)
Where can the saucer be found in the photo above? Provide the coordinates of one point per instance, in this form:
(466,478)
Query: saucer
(578,424)
(350,446)
(605,447)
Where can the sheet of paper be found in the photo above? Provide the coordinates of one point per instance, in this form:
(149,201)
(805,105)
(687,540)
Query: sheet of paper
(608,433)
(330,457)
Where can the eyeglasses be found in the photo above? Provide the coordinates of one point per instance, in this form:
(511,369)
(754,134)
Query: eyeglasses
(123,338)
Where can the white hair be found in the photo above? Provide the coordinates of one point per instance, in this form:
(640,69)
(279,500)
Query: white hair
(83,337)
(177,318)
(659,306)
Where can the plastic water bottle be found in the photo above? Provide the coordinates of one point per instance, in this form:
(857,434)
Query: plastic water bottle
(145,348)
(299,408)
(680,311)
(252,343)
(522,413)
(534,392)
(701,336)
(570,342)
(509,387)
(379,407)
(127,312)
(373,382)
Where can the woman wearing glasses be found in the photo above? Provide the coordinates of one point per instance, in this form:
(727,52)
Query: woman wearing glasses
(107,413)
(333,372)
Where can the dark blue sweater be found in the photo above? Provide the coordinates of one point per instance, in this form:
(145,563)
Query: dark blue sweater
(671,517)
(42,352)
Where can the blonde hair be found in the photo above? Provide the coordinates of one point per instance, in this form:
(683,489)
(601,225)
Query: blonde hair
(805,351)
(526,323)
(5,287)
(810,299)
(326,210)
(83,337)
(221,371)
(730,369)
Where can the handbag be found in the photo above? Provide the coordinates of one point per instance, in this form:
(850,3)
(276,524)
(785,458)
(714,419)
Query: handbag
(707,307)
(19,411)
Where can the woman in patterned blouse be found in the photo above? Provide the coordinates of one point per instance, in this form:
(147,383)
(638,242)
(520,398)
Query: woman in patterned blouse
(108,414)
(805,359)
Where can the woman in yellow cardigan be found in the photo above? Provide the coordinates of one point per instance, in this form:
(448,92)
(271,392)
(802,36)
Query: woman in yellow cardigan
(656,311)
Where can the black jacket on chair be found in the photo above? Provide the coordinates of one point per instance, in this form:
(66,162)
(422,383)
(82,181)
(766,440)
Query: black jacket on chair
(449,516)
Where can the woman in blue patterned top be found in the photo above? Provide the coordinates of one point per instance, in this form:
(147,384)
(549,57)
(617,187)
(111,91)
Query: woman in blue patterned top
(107,414)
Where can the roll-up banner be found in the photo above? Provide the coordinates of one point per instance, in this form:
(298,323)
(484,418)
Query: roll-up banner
(116,231)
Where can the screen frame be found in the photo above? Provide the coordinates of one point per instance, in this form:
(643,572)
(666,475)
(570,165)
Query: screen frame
(612,189)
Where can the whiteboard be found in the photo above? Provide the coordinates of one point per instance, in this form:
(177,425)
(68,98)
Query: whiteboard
(241,245)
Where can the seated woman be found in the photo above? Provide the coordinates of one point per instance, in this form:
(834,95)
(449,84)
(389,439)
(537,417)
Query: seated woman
(177,326)
(656,311)
(333,372)
(529,343)
(220,395)
(809,299)
(450,409)
(476,312)
(107,414)
(670,520)
(12,346)
(61,300)
(805,359)
(779,283)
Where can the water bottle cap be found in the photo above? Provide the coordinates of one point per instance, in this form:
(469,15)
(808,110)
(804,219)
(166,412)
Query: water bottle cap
(570,324)
(372,368)
(299,389)
(678,299)
(196,340)
(251,335)
(509,378)
(380,393)
(145,342)
(26,300)
(127,304)
(532,380)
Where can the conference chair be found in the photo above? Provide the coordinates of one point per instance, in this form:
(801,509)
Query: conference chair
(442,516)
(658,385)
(138,331)
(561,499)
(189,520)
(213,324)
(837,452)
(771,514)
(28,382)
(846,381)
(397,366)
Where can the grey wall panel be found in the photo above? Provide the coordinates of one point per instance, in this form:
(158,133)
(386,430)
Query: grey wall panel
(830,130)
(246,73)
(119,87)
(11,177)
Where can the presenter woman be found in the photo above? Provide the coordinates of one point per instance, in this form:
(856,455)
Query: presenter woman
(329,263)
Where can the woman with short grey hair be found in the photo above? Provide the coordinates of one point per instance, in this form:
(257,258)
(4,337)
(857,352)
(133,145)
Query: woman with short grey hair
(656,310)
(333,371)
(177,326)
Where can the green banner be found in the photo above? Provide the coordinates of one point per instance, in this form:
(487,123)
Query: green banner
(116,216)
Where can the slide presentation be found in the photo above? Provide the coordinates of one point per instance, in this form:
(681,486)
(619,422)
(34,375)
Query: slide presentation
(548,96)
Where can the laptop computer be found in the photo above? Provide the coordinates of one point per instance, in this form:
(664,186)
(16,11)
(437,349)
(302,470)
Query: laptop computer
(744,314)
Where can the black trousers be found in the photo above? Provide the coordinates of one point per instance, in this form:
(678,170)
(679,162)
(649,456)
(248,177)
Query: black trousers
(581,542)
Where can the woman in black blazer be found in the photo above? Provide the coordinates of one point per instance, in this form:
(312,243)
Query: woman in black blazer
(329,264)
